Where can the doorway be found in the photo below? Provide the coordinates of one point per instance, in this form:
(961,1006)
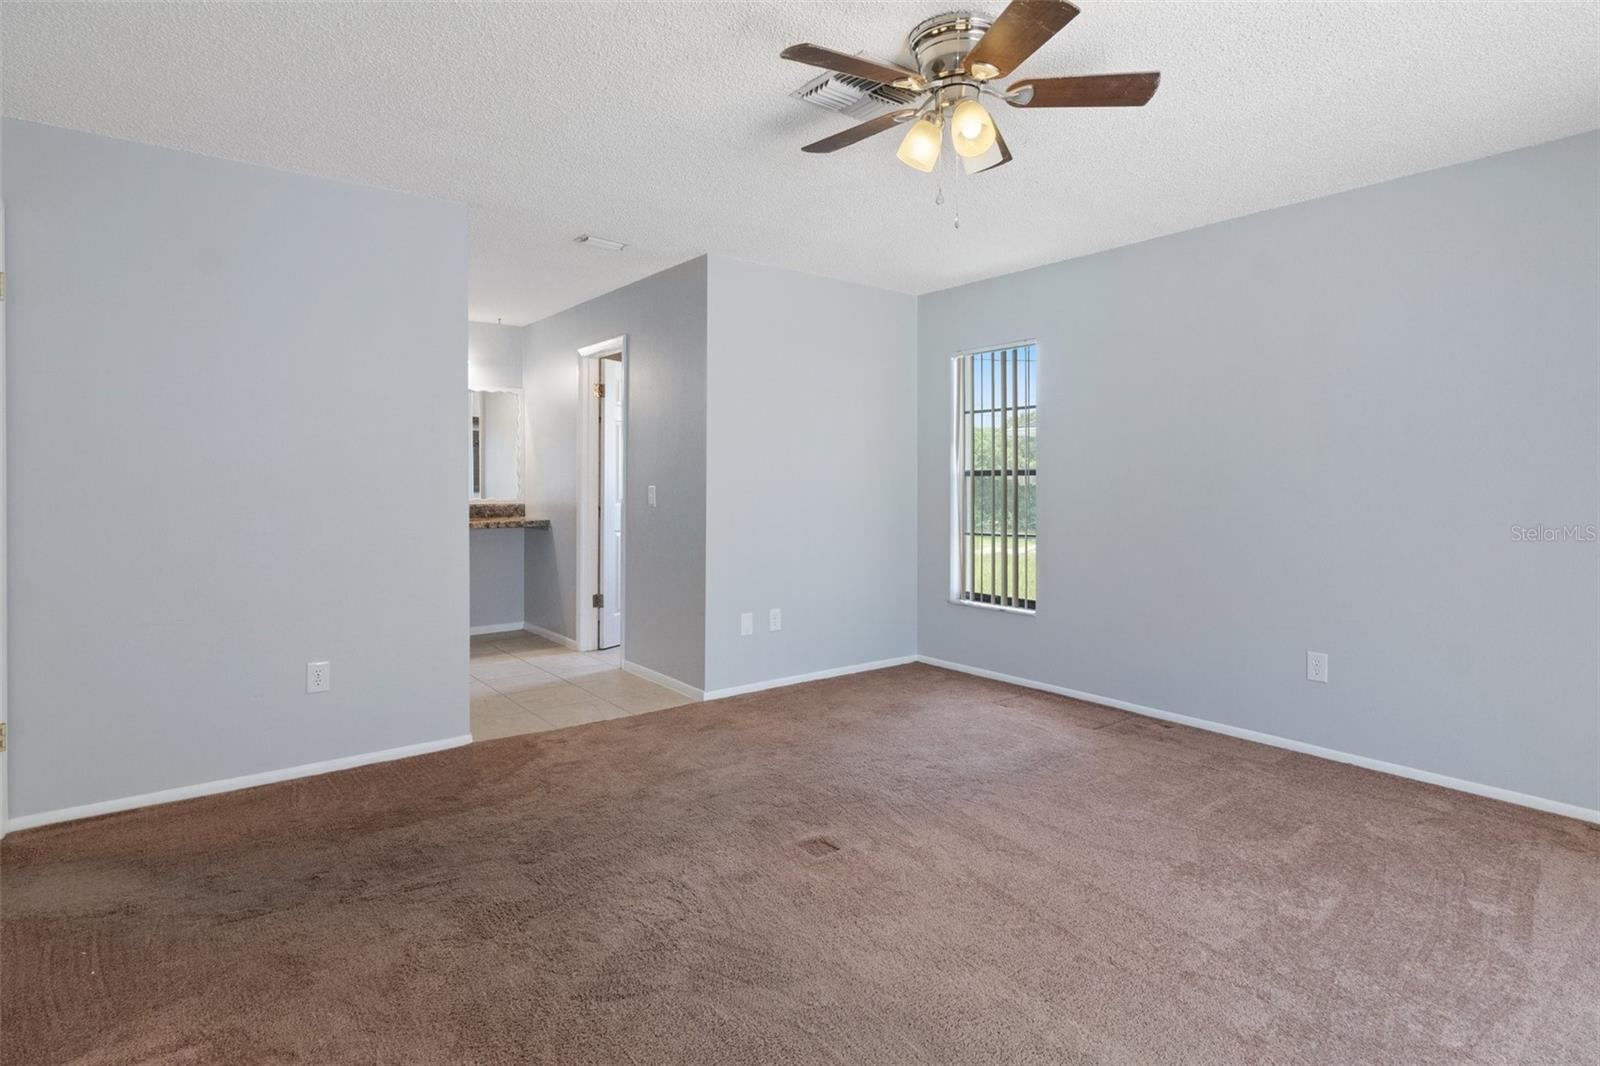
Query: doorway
(602,495)
(610,530)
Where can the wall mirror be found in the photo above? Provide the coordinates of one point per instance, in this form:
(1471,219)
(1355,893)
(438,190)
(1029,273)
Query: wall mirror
(494,424)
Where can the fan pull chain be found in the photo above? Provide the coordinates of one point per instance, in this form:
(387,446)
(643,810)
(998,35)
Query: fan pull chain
(955,202)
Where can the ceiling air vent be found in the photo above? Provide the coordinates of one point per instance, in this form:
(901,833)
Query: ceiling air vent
(853,96)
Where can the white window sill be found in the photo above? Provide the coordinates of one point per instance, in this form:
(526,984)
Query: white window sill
(1026,612)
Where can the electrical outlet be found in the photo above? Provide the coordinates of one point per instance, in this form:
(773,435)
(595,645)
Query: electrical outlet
(747,624)
(1317,666)
(319,677)
(650,494)
(774,620)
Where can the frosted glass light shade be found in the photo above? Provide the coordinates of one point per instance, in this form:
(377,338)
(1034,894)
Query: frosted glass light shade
(920,148)
(971,129)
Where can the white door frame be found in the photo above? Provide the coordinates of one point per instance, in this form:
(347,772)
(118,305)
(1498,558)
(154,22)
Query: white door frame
(589,375)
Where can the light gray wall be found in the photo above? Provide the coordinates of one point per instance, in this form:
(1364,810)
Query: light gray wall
(811,473)
(494,361)
(664,317)
(1313,429)
(497,575)
(235,447)
(494,355)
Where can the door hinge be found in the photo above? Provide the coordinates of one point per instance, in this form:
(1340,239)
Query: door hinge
(599,600)
(599,390)
(2,736)
(2,300)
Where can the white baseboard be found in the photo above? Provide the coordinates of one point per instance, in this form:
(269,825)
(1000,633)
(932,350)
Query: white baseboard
(498,627)
(816,675)
(1505,795)
(658,678)
(231,784)
(524,627)
(549,634)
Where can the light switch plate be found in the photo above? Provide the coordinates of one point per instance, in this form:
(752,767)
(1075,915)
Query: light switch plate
(650,495)
(747,624)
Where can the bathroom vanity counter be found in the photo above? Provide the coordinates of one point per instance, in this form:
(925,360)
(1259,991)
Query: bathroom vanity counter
(515,522)
(502,516)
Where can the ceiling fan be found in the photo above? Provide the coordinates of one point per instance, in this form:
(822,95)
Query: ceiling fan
(958,55)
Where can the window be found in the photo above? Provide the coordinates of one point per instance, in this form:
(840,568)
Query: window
(996,474)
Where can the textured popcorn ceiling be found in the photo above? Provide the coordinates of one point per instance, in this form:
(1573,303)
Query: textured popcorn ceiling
(669,126)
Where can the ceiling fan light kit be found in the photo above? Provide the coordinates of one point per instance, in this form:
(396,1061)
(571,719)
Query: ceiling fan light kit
(957,55)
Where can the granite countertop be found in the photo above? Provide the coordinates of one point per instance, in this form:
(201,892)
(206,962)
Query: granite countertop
(508,523)
(502,516)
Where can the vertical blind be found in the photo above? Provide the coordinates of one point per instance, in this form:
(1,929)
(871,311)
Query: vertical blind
(996,477)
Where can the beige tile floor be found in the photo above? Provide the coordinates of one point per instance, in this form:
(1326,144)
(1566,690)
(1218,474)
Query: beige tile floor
(524,684)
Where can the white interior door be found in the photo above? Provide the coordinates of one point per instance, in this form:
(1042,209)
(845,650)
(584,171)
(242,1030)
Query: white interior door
(4,617)
(611,469)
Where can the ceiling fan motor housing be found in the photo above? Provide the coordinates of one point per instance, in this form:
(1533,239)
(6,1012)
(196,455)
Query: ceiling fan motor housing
(940,43)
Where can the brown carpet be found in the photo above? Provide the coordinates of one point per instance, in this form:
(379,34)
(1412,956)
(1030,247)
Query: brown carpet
(899,867)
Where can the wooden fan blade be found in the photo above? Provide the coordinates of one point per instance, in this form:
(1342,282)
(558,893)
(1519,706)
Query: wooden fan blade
(872,127)
(1094,90)
(817,56)
(1021,30)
